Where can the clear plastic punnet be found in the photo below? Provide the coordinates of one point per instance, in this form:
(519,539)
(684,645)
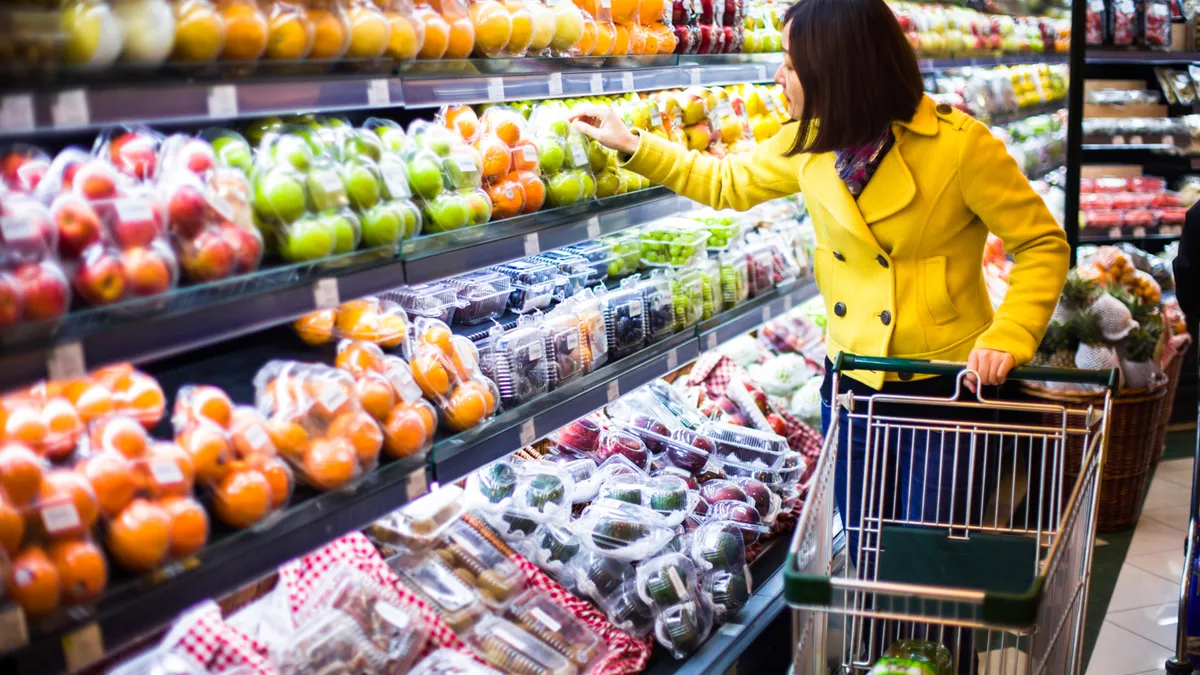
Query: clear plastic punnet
(658,305)
(683,628)
(497,578)
(622,530)
(625,321)
(564,632)
(555,548)
(672,242)
(626,609)
(687,294)
(436,300)
(422,523)
(482,296)
(667,580)
(599,576)
(455,600)
(446,367)
(627,253)
(599,255)
(564,355)
(516,360)
(515,499)
(580,437)
(574,271)
(746,445)
(736,512)
(510,648)
(593,331)
(669,496)
(533,284)
(718,546)
(616,441)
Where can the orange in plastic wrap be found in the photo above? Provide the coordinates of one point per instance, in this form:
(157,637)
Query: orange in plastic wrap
(492,25)
(587,43)
(67,504)
(139,538)
(375,395)
(188,525)
(624,11)
(462,39)
(508,198)
(92,400)
(364,436)
(210,403)
(142,398)
(468,405)
(34,583)
(331,35)
(290,438)
(497,157)
(243,498)
(278,475)
(113,479)
(82,570)
(357,357)
(369,30)
(330,463)
(637,39)
(291,33)
(246,30)
(534,189)
(159,479)
(429,370)
(606,38)
(21,472)
(407,35)
(316,328)
(650,11)
(522,27)
(661,37)
(462,120)
(621,43)
(199,31)
(409,429)
(12,528)
(25,424)
(209,449)
(120,433)
(437,33)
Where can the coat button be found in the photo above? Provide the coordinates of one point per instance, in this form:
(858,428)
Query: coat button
(839,257)
(905,377)
(943,109)
(886,317)
(840,309)
(882,261)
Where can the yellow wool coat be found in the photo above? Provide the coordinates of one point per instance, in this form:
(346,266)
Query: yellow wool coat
(901,268)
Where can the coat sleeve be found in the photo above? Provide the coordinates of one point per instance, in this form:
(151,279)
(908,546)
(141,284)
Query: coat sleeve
(739,181)
(1185,266)
(994,188)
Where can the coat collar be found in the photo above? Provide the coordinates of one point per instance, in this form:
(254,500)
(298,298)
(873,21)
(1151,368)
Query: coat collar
(924,121)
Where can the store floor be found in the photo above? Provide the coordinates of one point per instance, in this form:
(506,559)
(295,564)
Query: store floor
(1134,597)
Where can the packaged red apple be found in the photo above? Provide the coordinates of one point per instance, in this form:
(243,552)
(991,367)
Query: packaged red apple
(135,244)
(33,284)
(712,29)
(445,175)
(208,215)
(446,368)
(23,167)
(336,440)
(1122,22)
(685,23)
(562,155)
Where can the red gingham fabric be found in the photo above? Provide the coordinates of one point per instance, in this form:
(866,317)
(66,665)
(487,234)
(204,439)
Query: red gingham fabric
(215,645)
(713,371)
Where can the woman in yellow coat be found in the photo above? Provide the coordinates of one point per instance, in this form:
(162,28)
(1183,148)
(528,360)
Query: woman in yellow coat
(902,193)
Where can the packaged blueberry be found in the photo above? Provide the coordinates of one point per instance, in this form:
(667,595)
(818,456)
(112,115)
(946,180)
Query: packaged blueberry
(564,356)
(515,360)
(533,284)
(599,255)
(482,296)
(574,272)
(436,300)
(735,278)
(657,303)
(624,320)
(667,580)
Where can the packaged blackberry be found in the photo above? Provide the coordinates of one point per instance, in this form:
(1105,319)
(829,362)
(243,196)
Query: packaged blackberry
(717,546)
(533,284)
(746,445)
(482,296)
(420,524)
(437,300)
(626,610)
(684,627)
(667,580)
(621,530)
(516,361)
(557,627)
(476,560)
(446,661)
(687,293)
(574,272)
(1122,22)
(658,303)
(564,356)
(600,256)
(624,320)
(454,599)
(511,649)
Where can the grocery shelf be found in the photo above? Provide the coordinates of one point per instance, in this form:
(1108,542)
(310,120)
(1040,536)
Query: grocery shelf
(1139,56)
(1135,234)
(136,608)
(193,316)
(1047,108)
(749,315)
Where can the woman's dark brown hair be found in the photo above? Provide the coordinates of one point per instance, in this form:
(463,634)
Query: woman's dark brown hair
(857,70)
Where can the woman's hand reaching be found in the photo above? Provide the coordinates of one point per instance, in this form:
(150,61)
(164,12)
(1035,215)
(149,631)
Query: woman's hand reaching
(992,365)
(603,125)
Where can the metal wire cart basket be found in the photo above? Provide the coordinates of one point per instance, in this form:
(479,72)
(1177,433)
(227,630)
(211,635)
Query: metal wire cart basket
(994,566)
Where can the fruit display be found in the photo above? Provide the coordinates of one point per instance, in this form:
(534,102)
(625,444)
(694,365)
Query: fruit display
(1128,203)
(941,30)
(1123,23)
(369,319)
(562,156)
(386,390)
(985,92)
(446,368)
(445,174)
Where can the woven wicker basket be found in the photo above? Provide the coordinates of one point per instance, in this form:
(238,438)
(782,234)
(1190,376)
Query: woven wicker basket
(1132,428)
(1172,371)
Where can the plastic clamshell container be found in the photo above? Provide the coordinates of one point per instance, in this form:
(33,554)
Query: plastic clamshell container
(738,513)
(658,304)
(669,496)
(421,522)
(723,233)
(735,278)
(498,580)
(683,628)
(599,255)
(746,445)
(325,641)
(448,594)
(564,356)
(667,580)
(580,437)
(624,321)
(511,649)
(627,252)
(713,300)
(766,501)
(447,661)
(564,632)
(687,293)
(540,493)
(626,609)
(574,272)
(555,548)
(621,530)
(518,364)
(598,576)
(434,300)
(672,245)
(617,465)
(760,263)
(482,296)
(718,544)
(533,284)
(492,485)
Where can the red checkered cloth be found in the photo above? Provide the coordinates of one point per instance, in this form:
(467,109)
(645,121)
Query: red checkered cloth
(202,636)
(301,576)
(713,371)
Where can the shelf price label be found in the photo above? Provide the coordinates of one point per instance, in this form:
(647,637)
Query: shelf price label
(762,73)
(766,314)
(83,647)
(65,362)
(697,76)
(787,303)
(597,83)
(379,93)
(627,81)
(70,109)
(532,245)
(528,432)
(16,113)
(325,294)
(416,484)
(1139,231)
(672,360)
(613,390)
(14,631)
(593,227)
(555,84)
(710,342)
(222,101)
(495,89)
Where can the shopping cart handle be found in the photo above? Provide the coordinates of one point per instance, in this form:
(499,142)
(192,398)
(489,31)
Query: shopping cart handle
(845,362)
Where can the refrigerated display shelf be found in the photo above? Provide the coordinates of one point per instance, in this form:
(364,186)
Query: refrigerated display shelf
(194,316)
(91,103)
(1100,57)
(138,607)
(1047,108)
(1148,234)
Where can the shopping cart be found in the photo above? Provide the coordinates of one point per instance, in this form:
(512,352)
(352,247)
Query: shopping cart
(998,574)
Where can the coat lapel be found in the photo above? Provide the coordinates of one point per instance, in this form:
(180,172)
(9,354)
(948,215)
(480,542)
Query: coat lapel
(823,184)
(891,188)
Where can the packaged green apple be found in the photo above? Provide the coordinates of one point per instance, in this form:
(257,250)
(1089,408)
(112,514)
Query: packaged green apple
(562,155)
(33,284)
(230,148)
(445,175)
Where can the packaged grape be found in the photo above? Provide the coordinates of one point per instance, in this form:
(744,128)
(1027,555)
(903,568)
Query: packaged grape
(735,278)
(419,524)
(723,231)
(627,253)
(437,300)
(574,272)
(455,600)
(564,357)
(683,628)
(687,295)
(510,648)
(622,530)
(580,437)
(666,243)
(626,609)
(533,284)
(669,496)
(713,301)
(599,254)
(558,628)
(482,296)
(658,304)
(625,321)
(516,361)
(562,149)
(475,559)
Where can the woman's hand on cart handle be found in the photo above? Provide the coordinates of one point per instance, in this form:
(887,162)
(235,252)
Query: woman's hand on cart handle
(602,124)
(992,366)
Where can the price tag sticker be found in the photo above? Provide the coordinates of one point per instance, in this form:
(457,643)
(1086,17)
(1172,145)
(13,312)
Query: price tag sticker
(710,342)
(65,362)
(16,113)
(556,84)
(379,93)
(655,115)
(1114,232)
(131,209)
(14,631)
(532,245)
(578,154)
(528,432)
(545,620)
(787,303)
(697,76)
(732,629)
(529,152)
(416,484)
(597,83)
(762,73)
(395,180)
(495,89)
(769,102)
(83,647)
(222,101)
(766,314)
(70,109)
(613,390)
(58,518)
(325,294)
(1139,231)
(627,81)
(1168,140)
(672,360)
(16,228)
(593,227)
(606,4)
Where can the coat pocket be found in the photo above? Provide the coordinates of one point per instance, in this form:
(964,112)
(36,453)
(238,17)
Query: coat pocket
(937,296)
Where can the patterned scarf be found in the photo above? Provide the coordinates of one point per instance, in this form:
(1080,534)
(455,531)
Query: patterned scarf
(856,165)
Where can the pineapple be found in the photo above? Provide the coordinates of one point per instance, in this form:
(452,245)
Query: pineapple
(1138,368)
(1077,295)
(1056,348)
